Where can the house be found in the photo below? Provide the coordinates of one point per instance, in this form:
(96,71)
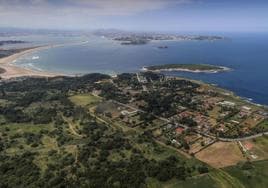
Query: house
(179,130)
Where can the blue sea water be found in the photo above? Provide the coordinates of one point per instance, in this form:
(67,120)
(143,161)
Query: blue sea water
(246,54)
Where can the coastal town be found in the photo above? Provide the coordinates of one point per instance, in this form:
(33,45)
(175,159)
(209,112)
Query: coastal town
(136,38)
(145,120)
(195,126)
(189,129)
(133,94)
(186,115)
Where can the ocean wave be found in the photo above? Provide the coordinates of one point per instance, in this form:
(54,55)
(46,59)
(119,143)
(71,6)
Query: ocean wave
(35,67)
(35,57)
(30,66)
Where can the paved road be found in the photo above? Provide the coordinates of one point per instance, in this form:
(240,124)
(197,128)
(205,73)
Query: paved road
(243,138)
(233,139)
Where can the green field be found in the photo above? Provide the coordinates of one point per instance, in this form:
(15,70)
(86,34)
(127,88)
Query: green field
(19,128)
(254,176)
(231,177)
(85,100)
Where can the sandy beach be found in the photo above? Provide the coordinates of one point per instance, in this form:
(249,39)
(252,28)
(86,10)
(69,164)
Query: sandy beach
(12,70)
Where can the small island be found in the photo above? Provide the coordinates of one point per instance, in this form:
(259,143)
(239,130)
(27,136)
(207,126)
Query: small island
(162,47)
(195,68)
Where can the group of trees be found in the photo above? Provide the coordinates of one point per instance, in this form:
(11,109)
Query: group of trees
(18,171)
(110,91)
(188,121)
(128,80)
(45,102)
(158,103)
(50,95)
(182,85)
(151,76)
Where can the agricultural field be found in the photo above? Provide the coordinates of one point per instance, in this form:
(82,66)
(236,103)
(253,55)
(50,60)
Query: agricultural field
(221,154)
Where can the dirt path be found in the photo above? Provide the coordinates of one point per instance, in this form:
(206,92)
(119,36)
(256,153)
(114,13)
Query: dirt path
(72,127)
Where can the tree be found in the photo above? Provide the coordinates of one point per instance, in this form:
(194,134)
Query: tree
(202,169)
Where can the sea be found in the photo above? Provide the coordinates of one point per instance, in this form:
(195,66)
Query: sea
(245,53)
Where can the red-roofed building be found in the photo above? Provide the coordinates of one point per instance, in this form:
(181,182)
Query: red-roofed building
(185,114)
(179,130)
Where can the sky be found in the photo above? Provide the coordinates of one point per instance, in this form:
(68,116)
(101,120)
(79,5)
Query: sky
(142,15)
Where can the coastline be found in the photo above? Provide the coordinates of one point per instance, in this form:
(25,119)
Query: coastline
(224,69)
(13,71)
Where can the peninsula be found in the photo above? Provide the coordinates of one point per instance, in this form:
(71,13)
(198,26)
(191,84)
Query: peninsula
(195,68)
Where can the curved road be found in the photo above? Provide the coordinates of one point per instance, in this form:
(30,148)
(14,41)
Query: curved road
(243,138)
